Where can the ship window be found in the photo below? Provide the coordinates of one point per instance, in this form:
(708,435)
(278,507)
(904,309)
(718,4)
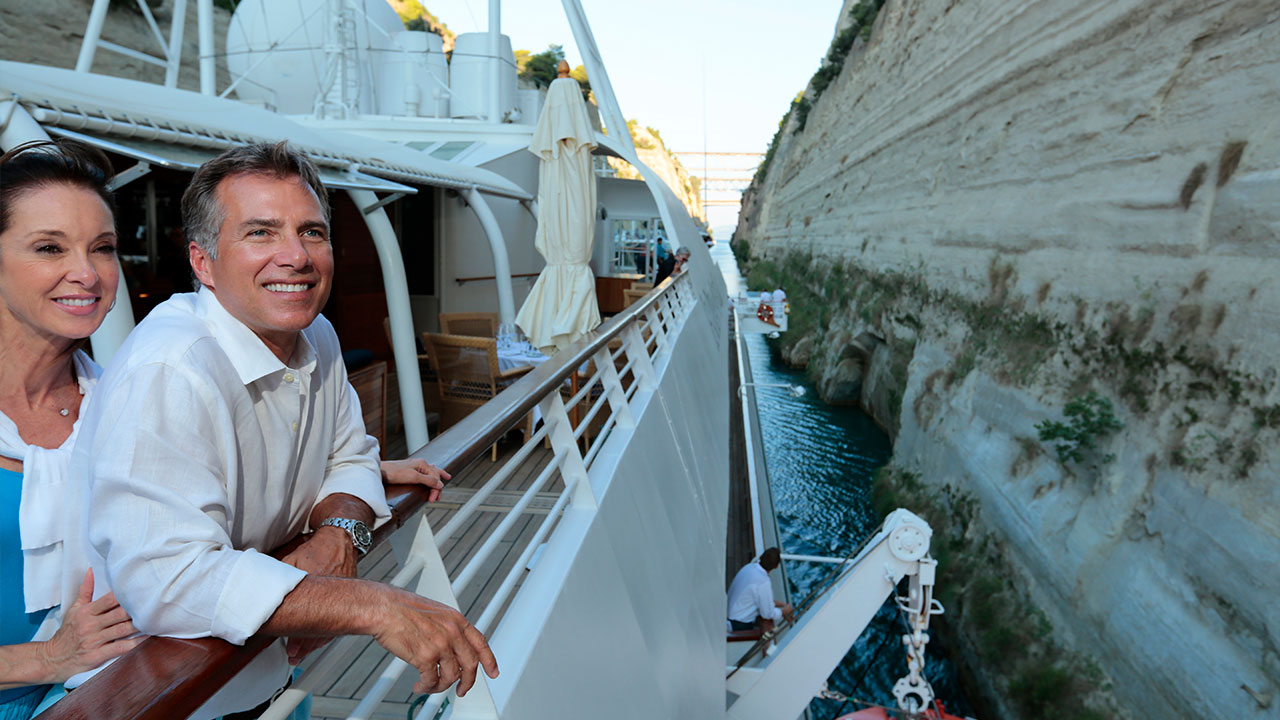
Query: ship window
(450,150)
(634,244)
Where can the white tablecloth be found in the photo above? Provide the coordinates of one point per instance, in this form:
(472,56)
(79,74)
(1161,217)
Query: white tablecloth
(510,358)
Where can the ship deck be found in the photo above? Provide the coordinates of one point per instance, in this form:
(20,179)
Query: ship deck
(339,692)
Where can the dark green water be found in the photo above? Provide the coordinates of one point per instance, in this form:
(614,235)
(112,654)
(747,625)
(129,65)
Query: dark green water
(821,462)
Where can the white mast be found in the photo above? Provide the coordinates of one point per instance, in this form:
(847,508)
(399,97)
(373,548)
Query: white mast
(495,61)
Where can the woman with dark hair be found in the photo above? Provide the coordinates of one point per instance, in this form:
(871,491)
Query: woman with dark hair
(58,278)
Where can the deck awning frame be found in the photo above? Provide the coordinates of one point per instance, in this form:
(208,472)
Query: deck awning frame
(189,159)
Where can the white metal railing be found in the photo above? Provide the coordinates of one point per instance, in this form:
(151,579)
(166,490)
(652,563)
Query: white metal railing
(748,435)
(618,369)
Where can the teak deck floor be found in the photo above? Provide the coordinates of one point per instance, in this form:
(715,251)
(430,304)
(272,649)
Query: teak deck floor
(338,694)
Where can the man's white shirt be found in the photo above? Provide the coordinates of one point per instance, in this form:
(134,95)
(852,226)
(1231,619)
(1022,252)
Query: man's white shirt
(202,452)
(751,594)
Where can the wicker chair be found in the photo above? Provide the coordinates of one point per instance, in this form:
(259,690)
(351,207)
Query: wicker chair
(468,375)
(474,324)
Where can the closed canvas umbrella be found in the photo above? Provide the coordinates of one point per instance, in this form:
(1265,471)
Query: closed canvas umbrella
(561,306)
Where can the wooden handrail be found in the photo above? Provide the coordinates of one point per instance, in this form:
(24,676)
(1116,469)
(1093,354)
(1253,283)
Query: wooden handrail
(166,678)
(491,277)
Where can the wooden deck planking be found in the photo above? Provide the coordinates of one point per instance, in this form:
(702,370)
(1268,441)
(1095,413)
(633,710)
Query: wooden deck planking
(336,696)
(323,708)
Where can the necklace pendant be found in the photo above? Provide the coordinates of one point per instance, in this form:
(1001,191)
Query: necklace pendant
(64,412)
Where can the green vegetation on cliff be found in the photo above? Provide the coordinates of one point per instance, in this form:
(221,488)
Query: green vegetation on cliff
(1222,412)
(416,17)
(541,68)
(863,17)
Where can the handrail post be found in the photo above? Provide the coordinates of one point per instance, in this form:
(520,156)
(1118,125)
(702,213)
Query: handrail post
(669,309)
(641,365)
(613,388)
(434,583)
(655,327)
(564,445)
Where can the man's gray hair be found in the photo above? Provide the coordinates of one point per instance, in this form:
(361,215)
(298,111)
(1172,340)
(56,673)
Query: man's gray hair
(684,250)
(202,213)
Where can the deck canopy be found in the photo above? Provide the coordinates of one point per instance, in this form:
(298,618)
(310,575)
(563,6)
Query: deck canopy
(117,108)
(189,159)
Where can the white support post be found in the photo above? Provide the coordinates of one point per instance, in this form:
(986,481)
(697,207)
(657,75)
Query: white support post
(495,61)
(177,27)
(612,385)
(668,312)
(498,246)
(208,67)
(563,444)
(403,348)
(641,365)
(92,34)
(115,327)
(655,327)
(18,126)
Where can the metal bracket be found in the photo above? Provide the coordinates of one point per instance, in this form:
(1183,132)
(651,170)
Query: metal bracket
(383,202)
(128,175)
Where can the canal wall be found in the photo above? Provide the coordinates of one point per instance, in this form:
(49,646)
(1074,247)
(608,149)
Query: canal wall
(1038,241)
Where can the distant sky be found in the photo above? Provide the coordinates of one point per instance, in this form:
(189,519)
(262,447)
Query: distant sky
(730,67)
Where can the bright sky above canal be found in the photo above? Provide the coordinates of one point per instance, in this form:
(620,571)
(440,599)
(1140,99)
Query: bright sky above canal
(729,66)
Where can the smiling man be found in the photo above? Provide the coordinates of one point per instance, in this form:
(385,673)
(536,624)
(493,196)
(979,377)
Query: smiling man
(225,426)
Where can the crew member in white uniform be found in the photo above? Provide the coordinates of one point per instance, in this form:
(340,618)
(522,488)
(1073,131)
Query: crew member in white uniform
(751,603)
(225,426)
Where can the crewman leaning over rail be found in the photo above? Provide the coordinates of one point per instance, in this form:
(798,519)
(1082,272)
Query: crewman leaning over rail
(750,601)
(243,432)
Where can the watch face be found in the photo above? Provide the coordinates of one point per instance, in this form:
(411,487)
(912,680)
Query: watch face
(364,538)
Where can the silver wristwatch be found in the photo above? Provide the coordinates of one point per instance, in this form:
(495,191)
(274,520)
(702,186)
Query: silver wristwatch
(361,538)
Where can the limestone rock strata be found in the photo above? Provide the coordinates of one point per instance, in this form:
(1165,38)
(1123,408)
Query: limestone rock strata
(50,32)
(1035,199)
(653,152)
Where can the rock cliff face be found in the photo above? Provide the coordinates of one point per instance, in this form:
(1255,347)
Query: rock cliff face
(50,32)
(997,208)
(653,152)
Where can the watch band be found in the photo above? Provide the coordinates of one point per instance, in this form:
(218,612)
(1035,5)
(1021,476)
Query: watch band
(361,537)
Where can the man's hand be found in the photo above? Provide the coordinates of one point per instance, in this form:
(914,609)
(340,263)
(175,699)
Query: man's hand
(787,610)
(327,552)
(415,472)
(435,639)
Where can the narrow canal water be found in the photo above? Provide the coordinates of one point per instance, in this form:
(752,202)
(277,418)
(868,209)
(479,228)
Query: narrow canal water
(821,462)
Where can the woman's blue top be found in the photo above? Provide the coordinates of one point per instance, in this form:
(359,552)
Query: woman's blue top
(16,624)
